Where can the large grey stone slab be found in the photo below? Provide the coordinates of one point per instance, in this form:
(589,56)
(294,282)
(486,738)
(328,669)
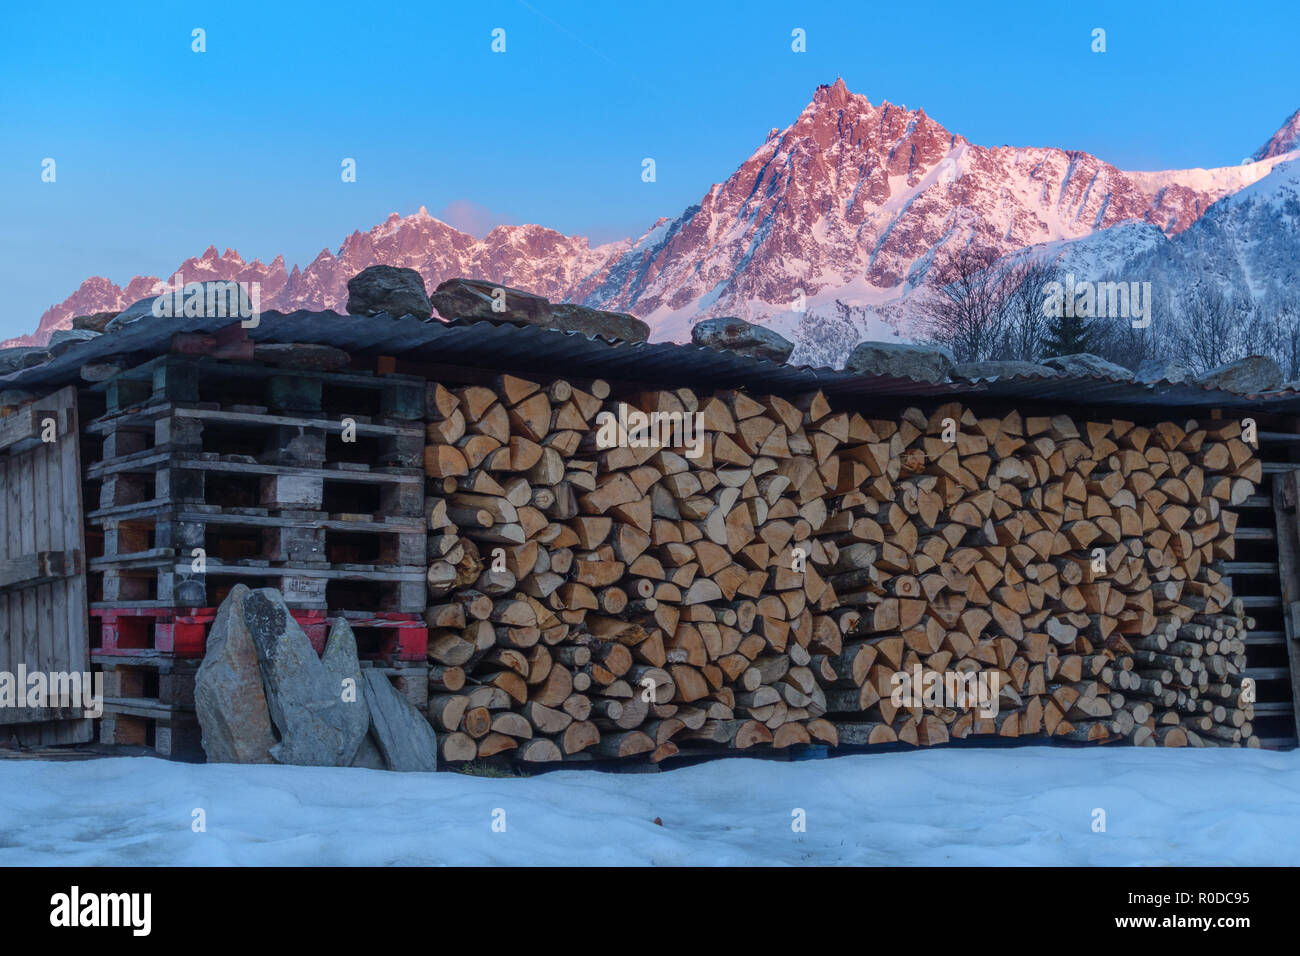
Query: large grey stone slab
(16,359)
(1000,369)
(1085,363)
(341,663)
(481,299)
(744,338)
(228,695)
(569,317)
(368,755)
(1247,376)
(922,363)
(317,728)
(397,291)
(1162,370)
(404,736)
(63,339)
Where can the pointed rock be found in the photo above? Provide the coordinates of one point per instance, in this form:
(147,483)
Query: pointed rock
(228,696)
(1286,139)
(404,736)
(341,663)
(317,729)
(368,755)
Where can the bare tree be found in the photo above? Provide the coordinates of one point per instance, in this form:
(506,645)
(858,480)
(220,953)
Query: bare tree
(1118,341)
(1026,322)
(1212,333)
(1287,349)
(1272,327)
(965,302)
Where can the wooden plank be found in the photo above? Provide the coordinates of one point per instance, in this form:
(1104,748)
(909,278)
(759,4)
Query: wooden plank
(6,655)
(46,639)
(22,427)
(45,716)
(72,512)
(150,461)
(144,416)
(37,568)
(43,614)
(1286,493)
(27,539)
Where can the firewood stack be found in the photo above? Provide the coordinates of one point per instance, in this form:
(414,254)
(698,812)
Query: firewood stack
(1067,557)
(592,601)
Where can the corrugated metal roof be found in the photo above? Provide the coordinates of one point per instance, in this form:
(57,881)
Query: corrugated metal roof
(525,349)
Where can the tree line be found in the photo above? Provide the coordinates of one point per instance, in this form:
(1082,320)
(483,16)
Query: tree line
(984,309)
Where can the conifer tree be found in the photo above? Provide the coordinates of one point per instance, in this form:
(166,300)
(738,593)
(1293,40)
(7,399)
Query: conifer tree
(1068,335)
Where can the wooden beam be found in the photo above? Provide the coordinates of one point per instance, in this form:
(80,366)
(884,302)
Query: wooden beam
(38,715)
(21,427)
(1286,494)
(37,568)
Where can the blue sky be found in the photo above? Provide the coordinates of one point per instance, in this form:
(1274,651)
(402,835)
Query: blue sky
(162,151)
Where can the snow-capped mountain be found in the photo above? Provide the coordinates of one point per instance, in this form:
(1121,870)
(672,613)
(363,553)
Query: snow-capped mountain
(534,258)
(821,233)
(849,205)
(1285,140)
(1246,247)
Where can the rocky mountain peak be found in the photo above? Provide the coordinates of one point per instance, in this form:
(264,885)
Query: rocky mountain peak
(1285,140)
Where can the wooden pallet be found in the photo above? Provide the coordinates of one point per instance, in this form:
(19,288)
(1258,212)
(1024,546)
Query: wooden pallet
(409,678)
(169,681)
(288,537)
(150,633)
(236,481)
(254,432)
(201,380)
(166,723)
(1286,497)
(163,680)
(158,580)
(169,732)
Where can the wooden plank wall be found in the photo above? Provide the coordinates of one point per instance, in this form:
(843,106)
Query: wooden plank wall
(1286,498)
(43,620)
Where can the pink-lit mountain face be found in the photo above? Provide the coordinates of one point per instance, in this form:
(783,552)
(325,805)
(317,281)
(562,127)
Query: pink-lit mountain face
(849,205)
(1285,140)
(528,257)
(821,234)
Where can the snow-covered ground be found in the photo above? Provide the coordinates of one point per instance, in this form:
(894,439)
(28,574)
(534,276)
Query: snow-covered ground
(945,807)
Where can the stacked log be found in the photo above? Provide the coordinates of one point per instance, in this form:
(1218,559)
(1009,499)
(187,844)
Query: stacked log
(622,600)
(1189,669)
(1039,549)
(736,586)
